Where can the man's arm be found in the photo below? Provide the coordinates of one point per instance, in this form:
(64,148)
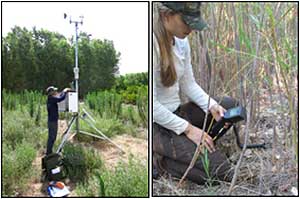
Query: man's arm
(56,99)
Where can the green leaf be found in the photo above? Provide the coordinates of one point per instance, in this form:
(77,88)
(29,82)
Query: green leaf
(255,21)
(101,183)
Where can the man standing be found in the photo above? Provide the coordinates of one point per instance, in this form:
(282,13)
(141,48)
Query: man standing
(53,98)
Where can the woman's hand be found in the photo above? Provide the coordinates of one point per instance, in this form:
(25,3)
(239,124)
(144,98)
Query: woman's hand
(217,111)
(195,134)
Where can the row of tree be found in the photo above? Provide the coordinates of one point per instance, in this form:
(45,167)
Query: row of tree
(34,59)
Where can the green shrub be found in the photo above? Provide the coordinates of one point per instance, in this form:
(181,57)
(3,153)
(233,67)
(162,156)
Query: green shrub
(127,180)
(31,108)
(89,188)
(131,93)
(106,103)
(12,101)
(131,116)
(18,126)
(80,162)
(12,133)
(134,79)
(142,105)
(16,167)
(38,116)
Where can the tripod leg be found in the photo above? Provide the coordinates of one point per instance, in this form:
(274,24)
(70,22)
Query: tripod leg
(65,136)
(102,134)
(96,136)
(89,116)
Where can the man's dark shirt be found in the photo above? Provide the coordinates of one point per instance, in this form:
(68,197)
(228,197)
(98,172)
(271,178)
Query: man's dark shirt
(52,106)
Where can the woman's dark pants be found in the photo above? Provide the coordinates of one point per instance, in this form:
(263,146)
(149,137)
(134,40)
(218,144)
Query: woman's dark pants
(173,153)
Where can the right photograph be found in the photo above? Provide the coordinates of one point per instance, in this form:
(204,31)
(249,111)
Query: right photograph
(225,99)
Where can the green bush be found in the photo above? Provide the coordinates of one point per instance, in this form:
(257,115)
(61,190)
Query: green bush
(132,93)
(18,126)
(89,188)
(134,79)
(126,90)
(80,162)
(14,101)
(142,105)
(16,167)
(130,115)
(127,180)
(106,103)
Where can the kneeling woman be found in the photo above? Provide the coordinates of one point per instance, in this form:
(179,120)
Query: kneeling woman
(177,128)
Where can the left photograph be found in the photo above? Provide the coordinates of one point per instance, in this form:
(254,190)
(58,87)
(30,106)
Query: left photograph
(75,99)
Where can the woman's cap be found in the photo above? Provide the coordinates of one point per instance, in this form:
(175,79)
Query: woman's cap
(190,12)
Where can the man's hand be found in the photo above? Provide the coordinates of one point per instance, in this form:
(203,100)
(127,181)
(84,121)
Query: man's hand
(195,134)
(67,90)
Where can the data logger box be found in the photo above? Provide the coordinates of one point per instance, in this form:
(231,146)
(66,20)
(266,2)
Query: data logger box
(69,104)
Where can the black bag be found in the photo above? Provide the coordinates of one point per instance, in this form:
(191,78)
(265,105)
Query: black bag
(53,166)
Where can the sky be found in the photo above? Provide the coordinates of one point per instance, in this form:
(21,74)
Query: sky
(125,23)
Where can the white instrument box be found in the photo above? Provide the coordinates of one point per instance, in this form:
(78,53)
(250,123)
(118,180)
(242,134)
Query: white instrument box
(69,104)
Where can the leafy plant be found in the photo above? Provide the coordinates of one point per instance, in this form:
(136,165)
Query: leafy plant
(17,167)
(80,162)
(206,166)
(127,180)
(142,105)
(38,116)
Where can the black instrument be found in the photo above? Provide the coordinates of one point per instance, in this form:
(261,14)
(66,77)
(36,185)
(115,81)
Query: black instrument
(232,116)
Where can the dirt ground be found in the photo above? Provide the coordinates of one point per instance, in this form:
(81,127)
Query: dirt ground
(109,153)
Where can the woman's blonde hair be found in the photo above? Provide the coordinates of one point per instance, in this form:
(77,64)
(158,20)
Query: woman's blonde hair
(167,73)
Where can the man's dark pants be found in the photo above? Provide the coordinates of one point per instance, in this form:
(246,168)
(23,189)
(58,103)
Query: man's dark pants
(172,153)
(52,133)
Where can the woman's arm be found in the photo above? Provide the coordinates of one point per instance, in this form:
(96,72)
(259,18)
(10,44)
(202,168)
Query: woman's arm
(166,118)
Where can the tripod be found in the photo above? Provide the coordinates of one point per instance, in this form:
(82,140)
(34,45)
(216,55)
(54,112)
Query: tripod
(91,122)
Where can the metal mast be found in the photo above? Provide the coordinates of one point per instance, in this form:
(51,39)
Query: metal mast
(76,68)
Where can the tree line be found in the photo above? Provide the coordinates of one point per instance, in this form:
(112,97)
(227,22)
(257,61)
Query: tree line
(34,59)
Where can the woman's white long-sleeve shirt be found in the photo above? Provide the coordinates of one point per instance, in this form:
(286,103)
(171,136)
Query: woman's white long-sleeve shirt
(166,99)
